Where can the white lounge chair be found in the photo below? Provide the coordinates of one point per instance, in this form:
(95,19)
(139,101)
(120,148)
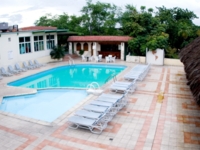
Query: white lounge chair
(12,70)
(32,64)
(80,122)
(88,114)
(94,115)
(18,68)
(4,72)
(94,108)
(38,64)
(1,77)
(28,67)
(120,86)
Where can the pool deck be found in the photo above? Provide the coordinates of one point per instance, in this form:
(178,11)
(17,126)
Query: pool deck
(148,122)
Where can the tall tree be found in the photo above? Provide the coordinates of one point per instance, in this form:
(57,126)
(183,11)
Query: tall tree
(99,18)
(147,31)
(179,25)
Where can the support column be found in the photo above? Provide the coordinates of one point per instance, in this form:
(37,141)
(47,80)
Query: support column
(94,47)
(70,47)
(89,49)
(122,50)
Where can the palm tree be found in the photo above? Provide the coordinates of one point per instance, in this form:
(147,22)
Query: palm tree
(57,52)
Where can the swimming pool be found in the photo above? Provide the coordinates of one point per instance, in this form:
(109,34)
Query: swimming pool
(46,105)
(78,76)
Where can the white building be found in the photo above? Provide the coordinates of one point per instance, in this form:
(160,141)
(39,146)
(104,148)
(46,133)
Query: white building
(28,43)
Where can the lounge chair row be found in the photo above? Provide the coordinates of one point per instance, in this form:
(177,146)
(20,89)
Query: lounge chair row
(138,72)
(95,115)
(17,69)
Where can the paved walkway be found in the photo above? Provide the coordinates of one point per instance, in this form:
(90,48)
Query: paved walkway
(150,121)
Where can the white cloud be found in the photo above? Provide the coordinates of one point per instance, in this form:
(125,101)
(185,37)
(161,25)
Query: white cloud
(29,11)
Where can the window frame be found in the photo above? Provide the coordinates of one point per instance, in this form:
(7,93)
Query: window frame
(50,42)
(38,43)
(25,45)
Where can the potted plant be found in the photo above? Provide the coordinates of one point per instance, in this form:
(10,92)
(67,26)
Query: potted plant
(57,52)
(81,52)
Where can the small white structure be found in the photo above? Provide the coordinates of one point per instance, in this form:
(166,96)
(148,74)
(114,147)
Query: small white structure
(155,57)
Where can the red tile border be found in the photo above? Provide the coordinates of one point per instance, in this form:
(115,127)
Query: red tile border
(45,143)
(30,138)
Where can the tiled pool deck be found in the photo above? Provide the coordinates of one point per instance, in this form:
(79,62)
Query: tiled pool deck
(146,123)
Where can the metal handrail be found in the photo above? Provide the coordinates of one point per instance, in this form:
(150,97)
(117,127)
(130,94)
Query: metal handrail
(71,61)
(112,76)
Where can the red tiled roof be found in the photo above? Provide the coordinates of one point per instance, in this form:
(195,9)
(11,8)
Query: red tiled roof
(98,38)
(37,28)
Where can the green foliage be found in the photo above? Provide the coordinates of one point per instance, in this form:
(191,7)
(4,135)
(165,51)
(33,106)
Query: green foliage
(99,18)
(171,52)
(81,52)
(57,52)
(164,28)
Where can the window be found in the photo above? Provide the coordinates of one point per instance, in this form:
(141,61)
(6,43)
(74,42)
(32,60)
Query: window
(78,46)
(85,46)
(24,45)
(38,43)
(50,41)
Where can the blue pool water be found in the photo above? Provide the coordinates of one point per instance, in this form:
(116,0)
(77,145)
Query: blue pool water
(78,76)
(46,105)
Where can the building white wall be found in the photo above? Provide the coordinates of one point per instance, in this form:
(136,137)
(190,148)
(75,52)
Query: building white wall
(142,59)
(88,53)
(10,53)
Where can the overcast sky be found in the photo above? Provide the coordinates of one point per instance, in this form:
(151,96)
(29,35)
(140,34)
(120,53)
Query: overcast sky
(26,12)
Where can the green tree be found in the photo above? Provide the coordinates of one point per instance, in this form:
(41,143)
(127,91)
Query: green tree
(179,26)
(64,21)
(147,31)
(99,18)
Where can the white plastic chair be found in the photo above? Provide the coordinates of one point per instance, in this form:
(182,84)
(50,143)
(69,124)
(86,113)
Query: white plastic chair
(107,59)
(113,59)
(96,59)
(100,57)
(91,58)
(83,58)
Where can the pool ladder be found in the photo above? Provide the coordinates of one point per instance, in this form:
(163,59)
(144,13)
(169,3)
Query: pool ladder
(112,76)
(71,61)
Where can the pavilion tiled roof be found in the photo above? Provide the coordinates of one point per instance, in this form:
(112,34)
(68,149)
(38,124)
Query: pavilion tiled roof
(31,28)
(99,38)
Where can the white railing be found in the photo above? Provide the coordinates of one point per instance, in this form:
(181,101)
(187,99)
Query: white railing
(112,76)
(71,61)
(93,85)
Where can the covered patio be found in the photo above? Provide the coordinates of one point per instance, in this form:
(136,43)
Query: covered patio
(95,45)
